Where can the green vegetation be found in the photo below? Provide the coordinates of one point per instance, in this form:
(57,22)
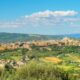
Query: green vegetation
(39,63)
(34,71)
(15,37)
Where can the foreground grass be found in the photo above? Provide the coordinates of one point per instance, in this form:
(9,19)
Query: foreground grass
(35,70)
(40,71)
(58,64)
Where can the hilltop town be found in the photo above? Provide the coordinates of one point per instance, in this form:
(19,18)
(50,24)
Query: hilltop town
(64,42)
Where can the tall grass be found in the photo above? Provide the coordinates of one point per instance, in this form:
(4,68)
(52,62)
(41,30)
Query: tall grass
(36,70)
(39,71)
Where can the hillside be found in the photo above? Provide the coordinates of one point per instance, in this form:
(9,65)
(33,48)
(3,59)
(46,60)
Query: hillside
(14,37)
(56,59)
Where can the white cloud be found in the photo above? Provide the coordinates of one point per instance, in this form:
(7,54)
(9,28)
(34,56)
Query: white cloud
(13,24)
(45,18)
(65,13)
(54,18)
(49,13)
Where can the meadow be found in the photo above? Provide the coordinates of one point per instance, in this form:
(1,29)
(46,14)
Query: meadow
(50,63)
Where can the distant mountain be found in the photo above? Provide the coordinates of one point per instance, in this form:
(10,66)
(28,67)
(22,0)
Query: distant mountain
(14,37)
(77,36)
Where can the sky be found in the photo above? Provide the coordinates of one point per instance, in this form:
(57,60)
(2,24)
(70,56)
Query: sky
(40,16)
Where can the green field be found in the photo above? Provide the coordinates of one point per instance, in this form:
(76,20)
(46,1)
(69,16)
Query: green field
(59,63)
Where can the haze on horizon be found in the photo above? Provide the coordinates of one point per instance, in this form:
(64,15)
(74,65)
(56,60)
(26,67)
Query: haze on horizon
(40,16)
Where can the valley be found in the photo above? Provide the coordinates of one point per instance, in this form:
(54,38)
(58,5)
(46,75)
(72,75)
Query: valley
(40,60)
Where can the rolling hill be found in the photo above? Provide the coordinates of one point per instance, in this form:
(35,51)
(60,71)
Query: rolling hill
(14,37)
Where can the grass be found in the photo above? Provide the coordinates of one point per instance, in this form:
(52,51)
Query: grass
(55,60)
(58,64)
(74,57)
(39,71)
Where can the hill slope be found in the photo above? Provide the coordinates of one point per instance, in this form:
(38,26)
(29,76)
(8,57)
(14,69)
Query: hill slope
(14,37)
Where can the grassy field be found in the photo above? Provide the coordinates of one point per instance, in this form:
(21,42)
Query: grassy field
(60,63)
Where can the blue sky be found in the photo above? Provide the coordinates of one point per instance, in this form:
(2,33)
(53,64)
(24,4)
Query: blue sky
(40,16)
